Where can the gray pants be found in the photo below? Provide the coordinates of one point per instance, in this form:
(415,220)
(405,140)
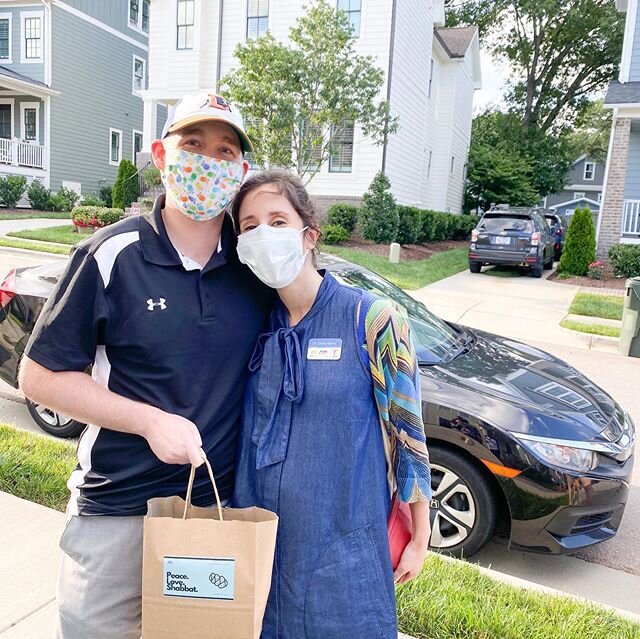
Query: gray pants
(99,592)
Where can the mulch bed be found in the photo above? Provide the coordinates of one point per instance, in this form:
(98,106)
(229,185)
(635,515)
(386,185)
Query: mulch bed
(576,280)
(408,252)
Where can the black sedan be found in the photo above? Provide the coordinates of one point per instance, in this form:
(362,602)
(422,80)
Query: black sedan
(520,443)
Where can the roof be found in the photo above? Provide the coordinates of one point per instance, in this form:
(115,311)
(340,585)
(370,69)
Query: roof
(580,199)
(456,40)
(9,73)
(622,93)
(18,82)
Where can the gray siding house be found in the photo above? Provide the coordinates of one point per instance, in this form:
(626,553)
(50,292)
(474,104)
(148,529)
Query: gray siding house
(70,73)
(620,211)
(583,189)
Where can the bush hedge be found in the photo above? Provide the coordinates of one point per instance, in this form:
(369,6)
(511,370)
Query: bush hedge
(97,216)
(344,215)
(417,226)
(127,187)
(625,260)
(38,195)
(334,234)
(12,188)
(379,215)
(580,244)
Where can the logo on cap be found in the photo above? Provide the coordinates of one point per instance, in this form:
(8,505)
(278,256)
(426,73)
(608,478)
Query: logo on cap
(218,102)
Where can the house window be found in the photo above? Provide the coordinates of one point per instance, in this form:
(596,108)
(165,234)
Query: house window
(341,148)
(115,149)
(453,163)
(186,22)
(257,18)
(139,68)
(353,9)
(134,11)
(578,195)
(145,16)
(5,121)
(429,164)
(30,124)
(33,38)
(137,143)
(599,198)
(589,171)
(5,39)
(139,15)
(430,80)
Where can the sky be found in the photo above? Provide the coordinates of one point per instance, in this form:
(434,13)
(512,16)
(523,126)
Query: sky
(494,77)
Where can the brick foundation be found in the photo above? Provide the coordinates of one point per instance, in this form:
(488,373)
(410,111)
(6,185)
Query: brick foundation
(323,202)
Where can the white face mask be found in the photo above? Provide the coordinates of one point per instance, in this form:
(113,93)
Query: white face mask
(275,255)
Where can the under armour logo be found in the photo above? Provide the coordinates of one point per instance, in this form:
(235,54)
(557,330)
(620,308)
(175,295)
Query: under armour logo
(151,305)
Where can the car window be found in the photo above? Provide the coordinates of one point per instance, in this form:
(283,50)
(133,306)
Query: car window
(433,337)
(492,223)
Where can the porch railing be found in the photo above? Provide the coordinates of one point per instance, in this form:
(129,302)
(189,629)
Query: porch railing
(21,153)
(631,218)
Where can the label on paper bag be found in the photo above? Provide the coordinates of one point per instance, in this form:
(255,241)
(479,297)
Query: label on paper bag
(328,349)
(199,577)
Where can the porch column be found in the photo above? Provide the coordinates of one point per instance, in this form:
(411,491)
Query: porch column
(612,209)
(149,128)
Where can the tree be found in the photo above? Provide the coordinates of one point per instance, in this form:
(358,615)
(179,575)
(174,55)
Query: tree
(560,51)
(580,246)
(126,188)
(379,214)
(592,132)
(297,97)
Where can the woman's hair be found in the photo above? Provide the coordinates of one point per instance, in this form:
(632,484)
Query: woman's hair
(285,183)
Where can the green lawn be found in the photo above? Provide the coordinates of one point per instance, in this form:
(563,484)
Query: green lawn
(607,306)
(35,246)
(456,601)
(35,467)
(593,329)
(450,600)
(59,234)
(38,215)
(408,275)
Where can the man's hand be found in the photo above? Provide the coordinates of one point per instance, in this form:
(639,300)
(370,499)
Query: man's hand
(174,439)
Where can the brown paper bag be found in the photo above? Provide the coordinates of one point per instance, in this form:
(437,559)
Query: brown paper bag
(206,571)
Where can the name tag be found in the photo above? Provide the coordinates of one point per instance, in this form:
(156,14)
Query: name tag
(199,577)
(327,349)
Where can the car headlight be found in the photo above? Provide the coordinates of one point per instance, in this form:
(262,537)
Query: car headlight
(568,457)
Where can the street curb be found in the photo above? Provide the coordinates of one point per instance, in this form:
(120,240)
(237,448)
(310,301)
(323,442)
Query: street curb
(593,342)
(518,582)
(21,251)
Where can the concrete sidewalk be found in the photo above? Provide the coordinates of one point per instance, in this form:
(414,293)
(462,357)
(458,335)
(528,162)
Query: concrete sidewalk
(516,307)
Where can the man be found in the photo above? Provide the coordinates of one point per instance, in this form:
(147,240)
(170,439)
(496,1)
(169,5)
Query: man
(162,311)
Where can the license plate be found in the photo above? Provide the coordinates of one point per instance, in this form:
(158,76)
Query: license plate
(502,240)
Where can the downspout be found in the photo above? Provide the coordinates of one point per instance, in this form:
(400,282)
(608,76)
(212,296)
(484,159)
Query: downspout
(219,60)
(48,82)
(389,76)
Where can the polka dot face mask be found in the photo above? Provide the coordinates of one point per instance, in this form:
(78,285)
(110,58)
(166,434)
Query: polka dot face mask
(201,187)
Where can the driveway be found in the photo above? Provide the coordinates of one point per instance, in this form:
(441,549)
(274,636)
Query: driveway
(8,226)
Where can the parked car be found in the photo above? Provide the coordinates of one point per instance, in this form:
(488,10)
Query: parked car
(558,225)
(514,237)
(520,443)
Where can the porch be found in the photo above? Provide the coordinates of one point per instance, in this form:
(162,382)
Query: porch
(631,220)
(21,153)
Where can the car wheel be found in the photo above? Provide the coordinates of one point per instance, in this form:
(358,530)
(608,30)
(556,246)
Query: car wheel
(548,265)
(536,271)
(463,509)
(54,423)
(475,267)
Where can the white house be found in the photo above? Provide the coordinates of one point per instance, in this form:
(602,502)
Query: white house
(431,73)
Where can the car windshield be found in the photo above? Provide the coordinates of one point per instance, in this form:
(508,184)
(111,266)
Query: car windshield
(434,338)
(492,223)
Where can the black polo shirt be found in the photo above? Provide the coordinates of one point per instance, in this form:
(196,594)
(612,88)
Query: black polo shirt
(158,332)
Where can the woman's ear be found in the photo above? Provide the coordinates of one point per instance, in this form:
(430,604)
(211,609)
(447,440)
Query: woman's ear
(311,238)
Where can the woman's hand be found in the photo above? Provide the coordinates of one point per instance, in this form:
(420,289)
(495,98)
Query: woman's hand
(414,554)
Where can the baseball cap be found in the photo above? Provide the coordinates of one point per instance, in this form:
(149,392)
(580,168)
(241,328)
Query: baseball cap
(200,107)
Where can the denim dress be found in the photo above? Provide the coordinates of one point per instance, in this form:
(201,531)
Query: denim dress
(312,451)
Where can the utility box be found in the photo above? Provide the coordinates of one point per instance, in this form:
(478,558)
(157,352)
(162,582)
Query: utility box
(630,331)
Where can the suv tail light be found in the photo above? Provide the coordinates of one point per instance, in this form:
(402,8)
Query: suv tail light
(8,288)
(474,235)
(535,239)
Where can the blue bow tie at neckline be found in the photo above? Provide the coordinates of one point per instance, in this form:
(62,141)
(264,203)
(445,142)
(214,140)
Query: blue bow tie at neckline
(272,442)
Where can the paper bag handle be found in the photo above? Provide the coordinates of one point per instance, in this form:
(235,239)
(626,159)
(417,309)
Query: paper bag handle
(192,477)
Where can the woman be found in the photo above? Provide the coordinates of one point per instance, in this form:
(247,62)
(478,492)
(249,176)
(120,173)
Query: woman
(334,366)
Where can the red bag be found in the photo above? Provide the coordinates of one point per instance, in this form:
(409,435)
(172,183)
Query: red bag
(399,529)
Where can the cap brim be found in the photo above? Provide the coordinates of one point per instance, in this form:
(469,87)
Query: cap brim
(247,145)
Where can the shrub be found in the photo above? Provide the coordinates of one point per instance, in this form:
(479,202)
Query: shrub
(97,216)
(596,270)
(580,246)
(152,176)
(92,200)
(379,215)
(126,188)
(334,234)
(408,224)
(38,195)
(12,188)
(464,224)
(344,215)
(64,200)
(625,260)
(106,195)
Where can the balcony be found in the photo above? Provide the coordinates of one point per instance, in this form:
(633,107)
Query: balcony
(18,153)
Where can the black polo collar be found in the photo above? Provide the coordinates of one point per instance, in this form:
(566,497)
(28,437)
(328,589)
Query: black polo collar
(158,249)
